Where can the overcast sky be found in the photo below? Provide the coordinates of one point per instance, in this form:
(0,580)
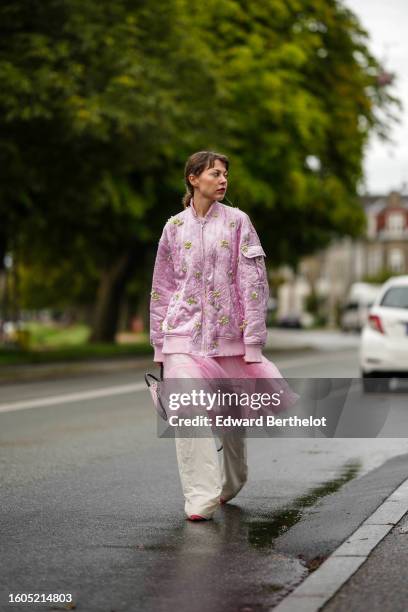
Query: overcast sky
(386,21)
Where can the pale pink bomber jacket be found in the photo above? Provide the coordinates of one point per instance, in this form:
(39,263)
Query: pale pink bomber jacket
(210,288)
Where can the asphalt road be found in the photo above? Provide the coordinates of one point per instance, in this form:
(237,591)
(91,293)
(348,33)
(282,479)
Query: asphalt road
(92,504)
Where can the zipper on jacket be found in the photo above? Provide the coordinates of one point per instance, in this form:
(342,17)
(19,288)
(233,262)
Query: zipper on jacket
(204,342)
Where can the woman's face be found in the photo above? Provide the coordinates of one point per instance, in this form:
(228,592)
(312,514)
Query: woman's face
(212,182)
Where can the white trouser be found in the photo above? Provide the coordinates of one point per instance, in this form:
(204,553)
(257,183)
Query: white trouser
(205,474)
(204,477)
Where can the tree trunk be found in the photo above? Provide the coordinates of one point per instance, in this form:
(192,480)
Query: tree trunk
(109,297)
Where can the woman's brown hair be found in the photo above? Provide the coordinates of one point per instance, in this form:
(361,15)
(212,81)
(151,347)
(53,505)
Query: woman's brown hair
(196,164)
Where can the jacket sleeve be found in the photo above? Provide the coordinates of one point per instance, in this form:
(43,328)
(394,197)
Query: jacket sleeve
(252,281)
(163,286)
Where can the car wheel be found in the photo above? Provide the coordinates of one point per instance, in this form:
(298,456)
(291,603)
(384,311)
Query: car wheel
(369,382)
(374,382)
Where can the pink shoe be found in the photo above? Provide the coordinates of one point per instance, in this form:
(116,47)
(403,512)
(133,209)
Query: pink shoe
(196,517)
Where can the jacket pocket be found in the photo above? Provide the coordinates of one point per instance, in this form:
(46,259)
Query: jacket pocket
(256,252)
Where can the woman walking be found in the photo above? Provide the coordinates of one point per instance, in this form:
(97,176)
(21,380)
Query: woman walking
(207,319)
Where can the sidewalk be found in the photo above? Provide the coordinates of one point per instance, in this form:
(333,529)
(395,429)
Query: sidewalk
(380,584)
(367,569)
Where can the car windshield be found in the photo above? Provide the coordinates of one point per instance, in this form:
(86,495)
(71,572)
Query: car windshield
(396,297)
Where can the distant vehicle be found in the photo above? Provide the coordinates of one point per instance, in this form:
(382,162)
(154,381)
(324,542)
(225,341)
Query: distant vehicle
(296,321)
(384,339)
(290,321)
(359,301)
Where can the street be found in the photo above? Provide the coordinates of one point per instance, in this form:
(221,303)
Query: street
(92,504)
(221,184)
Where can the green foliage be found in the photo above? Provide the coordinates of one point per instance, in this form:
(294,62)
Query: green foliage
(381,277)
(298,82)
(55,336)
(60,283)
(313,303)
(101,103)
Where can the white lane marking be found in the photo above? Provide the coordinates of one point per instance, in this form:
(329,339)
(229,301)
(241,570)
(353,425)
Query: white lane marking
(320,586)
(72,397)
(117,390)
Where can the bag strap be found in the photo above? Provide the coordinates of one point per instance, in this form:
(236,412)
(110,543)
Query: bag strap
(161,379)
(147,376)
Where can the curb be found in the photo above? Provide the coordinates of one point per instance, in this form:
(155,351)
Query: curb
(320,586)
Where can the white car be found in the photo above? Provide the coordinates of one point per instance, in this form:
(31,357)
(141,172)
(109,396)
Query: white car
(384,338)
(355,311)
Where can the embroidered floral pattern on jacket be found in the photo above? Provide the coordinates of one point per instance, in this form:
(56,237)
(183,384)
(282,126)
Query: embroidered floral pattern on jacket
(224,320)
(223,308)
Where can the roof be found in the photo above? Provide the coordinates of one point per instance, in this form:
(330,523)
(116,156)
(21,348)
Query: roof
(374,204)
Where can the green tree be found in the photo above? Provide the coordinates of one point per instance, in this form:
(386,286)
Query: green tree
(381,277)
(94,98)
(101,103)
(301,93)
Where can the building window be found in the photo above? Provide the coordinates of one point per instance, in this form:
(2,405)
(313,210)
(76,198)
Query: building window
(396,260)
(396,223)
(374,261)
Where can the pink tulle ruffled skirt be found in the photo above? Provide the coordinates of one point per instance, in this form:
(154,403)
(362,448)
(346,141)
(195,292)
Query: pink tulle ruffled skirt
(258,377)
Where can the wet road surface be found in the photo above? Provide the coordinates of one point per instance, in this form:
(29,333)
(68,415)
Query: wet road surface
(92,505)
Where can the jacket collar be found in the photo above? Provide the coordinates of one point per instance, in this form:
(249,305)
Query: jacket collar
(210,212)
